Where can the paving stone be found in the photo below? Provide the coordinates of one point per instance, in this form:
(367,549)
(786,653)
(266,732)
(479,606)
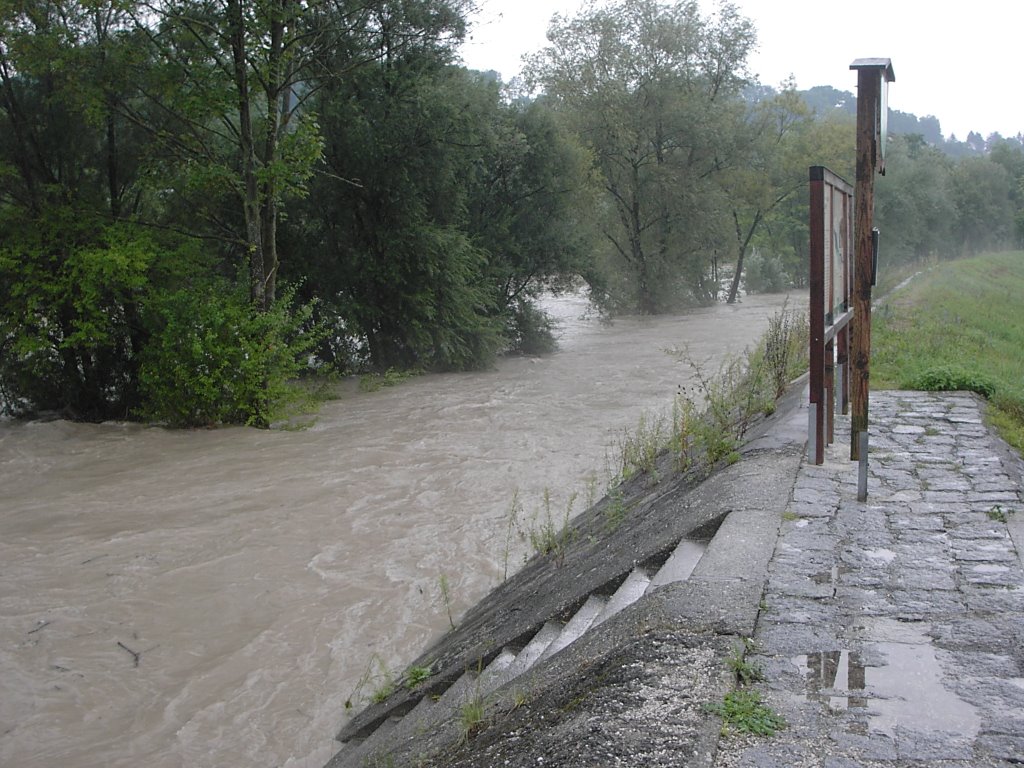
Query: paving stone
(986,599)
(1003,746)
(921,747)
(921,565)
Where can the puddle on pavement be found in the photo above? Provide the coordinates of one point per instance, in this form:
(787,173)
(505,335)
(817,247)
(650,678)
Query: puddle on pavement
(902,687)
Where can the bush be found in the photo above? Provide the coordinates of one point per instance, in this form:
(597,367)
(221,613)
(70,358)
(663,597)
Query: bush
(948,378)
(530,331)
(70,286)
(764,274)
(215,359)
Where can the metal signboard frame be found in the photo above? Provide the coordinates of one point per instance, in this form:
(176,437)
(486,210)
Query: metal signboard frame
(831,286)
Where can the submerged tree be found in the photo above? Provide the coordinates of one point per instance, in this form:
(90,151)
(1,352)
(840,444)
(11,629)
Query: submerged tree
(652,90)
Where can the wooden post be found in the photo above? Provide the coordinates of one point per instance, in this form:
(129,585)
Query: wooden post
(869,135)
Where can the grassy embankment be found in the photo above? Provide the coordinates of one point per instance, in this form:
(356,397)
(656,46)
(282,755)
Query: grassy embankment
(959,325)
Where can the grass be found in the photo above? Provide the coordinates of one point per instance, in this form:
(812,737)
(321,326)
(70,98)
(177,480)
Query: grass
(446,596)
(381,682)
(711,419)
(959,326)
(706,425)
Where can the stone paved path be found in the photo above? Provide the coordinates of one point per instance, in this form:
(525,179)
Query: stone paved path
(892,631)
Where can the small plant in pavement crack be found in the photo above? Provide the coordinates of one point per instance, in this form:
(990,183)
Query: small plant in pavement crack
(746,672)
(744,711)
(998,513)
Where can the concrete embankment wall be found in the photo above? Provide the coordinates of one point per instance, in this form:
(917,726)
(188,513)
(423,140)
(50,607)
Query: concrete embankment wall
(652,592)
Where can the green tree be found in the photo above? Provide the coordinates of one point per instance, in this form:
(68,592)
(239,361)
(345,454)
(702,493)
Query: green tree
(1010,155)
(773,169)
(384,237)
(915,209)
(981,193)
(528,204)
(73,270)
(651,89)
(784,235)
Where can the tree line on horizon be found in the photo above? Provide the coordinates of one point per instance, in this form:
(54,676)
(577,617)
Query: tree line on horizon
(201,200)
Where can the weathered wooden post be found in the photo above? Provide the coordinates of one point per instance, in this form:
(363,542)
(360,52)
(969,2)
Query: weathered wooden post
(873,77)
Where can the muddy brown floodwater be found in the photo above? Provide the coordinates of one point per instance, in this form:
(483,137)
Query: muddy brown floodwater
(213,597)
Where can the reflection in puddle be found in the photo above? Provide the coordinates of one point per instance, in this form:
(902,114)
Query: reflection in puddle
(834,671)
(903,689)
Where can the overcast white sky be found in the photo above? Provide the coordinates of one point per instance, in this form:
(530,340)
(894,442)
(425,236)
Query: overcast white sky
(961,62)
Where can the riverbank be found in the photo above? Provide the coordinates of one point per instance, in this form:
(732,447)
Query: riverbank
(260,573)
(884,632)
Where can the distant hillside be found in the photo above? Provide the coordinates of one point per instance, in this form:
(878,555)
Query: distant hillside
(824,99)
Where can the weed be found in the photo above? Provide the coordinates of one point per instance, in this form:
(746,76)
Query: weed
(446,597)
(744,711)
(515,507)
(471,715)
(414,676)
(790,515)
(550,536)
(744,671)
(999,514)
(381,681)
(784,348)
(615,509)
(519,699)
(639,449)
(382,692)
(591,491)
(931,432)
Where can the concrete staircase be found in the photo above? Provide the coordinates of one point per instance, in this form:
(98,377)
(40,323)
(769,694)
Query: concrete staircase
(477,684)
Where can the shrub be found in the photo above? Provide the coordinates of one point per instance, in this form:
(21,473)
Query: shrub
(70,286)
(764,274)
(215,359)
(529,329)
(951,378)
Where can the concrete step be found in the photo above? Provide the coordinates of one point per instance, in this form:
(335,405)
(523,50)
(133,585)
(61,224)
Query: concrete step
(576,626)
(354,753)
(496,669)
(631,590)
(527,657)
(680,563)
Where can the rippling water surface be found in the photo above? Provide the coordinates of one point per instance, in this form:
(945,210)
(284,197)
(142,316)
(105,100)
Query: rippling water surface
(213,597)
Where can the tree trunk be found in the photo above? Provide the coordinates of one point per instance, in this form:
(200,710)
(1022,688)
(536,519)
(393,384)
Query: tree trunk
(743,243)
(250,190)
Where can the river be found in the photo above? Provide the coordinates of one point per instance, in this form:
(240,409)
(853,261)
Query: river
(213,597)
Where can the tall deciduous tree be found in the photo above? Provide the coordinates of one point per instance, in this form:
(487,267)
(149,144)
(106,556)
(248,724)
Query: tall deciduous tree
(651,89)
